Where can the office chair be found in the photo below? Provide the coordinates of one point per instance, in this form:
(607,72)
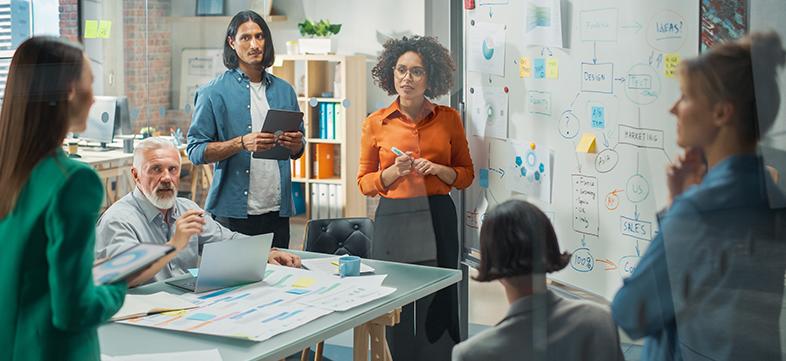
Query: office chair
(339,236)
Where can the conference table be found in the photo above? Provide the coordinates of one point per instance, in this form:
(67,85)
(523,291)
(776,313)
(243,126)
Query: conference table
(412,282)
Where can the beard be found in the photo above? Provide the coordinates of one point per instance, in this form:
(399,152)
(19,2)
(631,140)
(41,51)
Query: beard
(163,201)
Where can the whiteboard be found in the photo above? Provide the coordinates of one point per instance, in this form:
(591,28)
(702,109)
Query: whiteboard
(197,68)
(612,79)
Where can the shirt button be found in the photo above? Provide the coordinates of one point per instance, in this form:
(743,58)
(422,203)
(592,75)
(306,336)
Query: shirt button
(249,127)
(415,132)
(249,106)
(245,193)
(246,86)
(238,79)
(246,171)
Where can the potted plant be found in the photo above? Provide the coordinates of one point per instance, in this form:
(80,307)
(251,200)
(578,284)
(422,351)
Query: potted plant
(147,132)
(323,29)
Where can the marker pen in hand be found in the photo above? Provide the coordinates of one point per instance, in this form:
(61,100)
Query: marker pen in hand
(400,153)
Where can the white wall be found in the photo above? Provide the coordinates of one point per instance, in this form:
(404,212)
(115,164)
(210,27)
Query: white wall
(366,25)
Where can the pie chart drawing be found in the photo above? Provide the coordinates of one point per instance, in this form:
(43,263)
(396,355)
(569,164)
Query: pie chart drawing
(490,112)
(488,48)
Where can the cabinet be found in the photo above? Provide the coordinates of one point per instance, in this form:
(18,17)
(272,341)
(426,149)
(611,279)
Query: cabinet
(311,76)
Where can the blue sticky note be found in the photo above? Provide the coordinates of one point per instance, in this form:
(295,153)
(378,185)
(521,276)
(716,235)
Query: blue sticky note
(540,68)
(201,317)
(598,118)
(298,291)
(194,271)
(483,175)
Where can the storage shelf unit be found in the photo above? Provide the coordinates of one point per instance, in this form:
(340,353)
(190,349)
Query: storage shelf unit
(318,72)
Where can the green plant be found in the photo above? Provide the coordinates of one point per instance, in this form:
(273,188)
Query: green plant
(323,28)
(147,130)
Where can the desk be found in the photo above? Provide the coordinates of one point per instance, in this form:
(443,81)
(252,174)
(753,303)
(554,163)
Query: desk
(115,163)
(411,282)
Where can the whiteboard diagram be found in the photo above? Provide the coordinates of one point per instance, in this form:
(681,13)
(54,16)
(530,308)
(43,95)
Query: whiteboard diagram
(614,80)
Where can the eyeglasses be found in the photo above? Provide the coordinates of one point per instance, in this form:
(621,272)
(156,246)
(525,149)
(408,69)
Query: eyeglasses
(416,74)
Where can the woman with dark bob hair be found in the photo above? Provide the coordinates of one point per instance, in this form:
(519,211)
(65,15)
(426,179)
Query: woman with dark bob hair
(518,247)
(412,154)
(710,285)
(49,205)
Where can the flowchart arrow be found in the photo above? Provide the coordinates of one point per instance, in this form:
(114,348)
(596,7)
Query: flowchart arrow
(636,212)
(578,165)
(637,248)
(637,27)
(546,48)
(659,60)
(583,240)
(595,53)
(610,263)
(490,13)
(652,55)
(605,141)
(621,79)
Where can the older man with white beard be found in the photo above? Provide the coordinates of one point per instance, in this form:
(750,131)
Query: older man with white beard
(153,213)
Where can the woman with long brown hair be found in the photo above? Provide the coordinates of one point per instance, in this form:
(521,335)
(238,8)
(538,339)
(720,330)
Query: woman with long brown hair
(48,208)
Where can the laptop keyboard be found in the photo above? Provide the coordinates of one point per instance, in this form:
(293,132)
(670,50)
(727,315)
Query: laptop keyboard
(187,284)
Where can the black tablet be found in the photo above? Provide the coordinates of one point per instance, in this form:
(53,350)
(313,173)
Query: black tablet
(129,261)
(279,122)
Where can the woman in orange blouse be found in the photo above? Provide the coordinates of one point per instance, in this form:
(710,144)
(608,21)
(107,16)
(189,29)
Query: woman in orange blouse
(416,218)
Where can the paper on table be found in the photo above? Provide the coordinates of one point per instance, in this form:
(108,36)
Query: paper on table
(326,265)
(143,305)
(206,355)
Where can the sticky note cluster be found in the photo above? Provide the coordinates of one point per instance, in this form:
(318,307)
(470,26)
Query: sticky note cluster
(541,67)
(670,64)
(97,29)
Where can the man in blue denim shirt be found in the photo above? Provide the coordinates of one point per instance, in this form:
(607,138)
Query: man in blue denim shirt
(250,196)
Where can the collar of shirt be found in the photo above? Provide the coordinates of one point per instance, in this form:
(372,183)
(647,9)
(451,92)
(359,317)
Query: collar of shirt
(525,305)
(241,76)
(150,211)
(393,111)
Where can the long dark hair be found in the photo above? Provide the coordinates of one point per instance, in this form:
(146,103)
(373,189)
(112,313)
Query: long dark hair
(507,242)
(34,118)
(230,56)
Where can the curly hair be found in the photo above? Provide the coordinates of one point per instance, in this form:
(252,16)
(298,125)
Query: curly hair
(439,64)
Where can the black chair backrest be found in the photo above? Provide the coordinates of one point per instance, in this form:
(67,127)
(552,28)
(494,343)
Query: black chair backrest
(339,236)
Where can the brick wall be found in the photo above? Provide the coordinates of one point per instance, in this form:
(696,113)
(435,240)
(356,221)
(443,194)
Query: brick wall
(69,27)
(136,70)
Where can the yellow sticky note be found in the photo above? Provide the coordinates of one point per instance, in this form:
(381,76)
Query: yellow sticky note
(103,29)
(91,29)
(240,335)
(304,282)
(552,68)
(587,144)
(670,64)
(175,313)
(524,67)
(278,62)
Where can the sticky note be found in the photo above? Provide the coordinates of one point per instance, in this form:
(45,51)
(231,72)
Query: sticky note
(540,68)
(278,62)
(103,29)
(483,177)
(91,29)
(297,291)
(194,271)
(524,68)
(175,313)
(670,64)
(304,282)
(201,317)
(240,335)
(598,117)
(552,68)
(587,144)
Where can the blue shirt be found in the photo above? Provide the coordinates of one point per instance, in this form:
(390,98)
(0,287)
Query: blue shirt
(710,286)
(222,112)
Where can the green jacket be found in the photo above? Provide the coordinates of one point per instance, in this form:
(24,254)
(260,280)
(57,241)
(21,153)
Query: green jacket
(51,308)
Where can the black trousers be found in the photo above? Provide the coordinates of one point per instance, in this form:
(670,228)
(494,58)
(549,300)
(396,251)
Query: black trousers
(421,334)
(260,224)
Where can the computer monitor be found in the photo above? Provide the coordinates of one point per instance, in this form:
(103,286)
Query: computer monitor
(122,117)
(100,121)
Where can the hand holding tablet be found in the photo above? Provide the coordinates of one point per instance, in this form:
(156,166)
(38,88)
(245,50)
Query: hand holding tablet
(129,262)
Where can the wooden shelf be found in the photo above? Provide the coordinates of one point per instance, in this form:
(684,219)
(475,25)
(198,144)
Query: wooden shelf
(318,71)
(218,19)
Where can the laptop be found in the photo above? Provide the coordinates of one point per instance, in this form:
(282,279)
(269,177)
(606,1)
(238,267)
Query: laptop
(229,263)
